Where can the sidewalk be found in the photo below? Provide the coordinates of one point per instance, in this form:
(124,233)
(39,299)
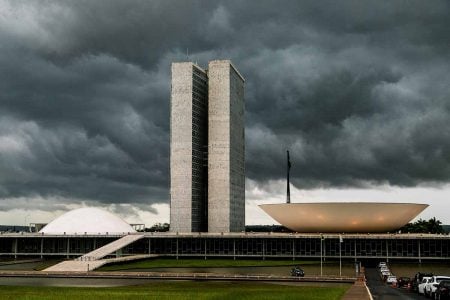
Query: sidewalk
(357,291)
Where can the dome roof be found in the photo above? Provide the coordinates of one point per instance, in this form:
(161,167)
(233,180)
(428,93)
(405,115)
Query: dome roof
(343,216)
(87,220)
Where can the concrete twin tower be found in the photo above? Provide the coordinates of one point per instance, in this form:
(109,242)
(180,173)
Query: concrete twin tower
(207,176)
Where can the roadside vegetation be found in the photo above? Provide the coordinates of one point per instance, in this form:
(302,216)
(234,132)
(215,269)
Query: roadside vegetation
(178,290)
(422,226)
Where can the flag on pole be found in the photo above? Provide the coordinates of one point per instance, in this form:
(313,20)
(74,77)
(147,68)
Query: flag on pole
(288,161)
(288,190)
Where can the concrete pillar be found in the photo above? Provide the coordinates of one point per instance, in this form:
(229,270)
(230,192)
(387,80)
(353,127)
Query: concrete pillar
(119,253)
(15,243)
(234,249)
(42,247)
(68,248)
(387,251)
(293,249)
(263,249)
(420,258)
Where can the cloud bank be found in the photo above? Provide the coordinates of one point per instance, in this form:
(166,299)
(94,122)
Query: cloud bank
(358,92)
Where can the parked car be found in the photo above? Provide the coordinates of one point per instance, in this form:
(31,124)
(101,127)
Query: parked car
(431,286)
(385,274)
(418,279)
(421,286)
(297,271)
(391,279)
(443,290)
(382,264)
(403,281)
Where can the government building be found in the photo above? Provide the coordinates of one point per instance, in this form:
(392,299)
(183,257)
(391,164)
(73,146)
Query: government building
(207,145)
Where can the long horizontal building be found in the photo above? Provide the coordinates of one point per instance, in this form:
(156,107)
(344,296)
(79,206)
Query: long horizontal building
(418,247)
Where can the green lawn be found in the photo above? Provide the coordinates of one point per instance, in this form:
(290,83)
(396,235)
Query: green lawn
(194,263)
(173,265)
(178,290)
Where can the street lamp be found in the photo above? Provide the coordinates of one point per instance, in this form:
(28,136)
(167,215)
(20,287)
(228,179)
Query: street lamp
(341,240)
(26,218)
(321,253)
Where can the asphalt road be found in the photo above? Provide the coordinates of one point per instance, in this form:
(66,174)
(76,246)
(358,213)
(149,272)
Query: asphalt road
(382,291)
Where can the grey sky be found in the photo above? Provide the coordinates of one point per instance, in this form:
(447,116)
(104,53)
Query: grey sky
(357,90)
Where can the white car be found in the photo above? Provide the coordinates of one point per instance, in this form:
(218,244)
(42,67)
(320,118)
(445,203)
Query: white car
(431,286)
(421,286)
(391,279)
(382,264)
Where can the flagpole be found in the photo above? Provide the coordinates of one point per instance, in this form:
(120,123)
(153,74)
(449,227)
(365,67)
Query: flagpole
(288,191)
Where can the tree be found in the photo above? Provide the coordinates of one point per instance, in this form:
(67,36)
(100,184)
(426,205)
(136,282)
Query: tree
(158,227)
(421,226)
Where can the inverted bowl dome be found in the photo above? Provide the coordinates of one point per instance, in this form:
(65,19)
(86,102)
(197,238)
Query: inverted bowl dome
(343,217)
(87,220)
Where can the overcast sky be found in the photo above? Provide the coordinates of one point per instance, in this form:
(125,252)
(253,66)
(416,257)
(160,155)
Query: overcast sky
(358,91)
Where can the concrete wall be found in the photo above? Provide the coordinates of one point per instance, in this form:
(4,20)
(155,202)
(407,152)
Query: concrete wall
(226,190)
(207,119)
(181,148)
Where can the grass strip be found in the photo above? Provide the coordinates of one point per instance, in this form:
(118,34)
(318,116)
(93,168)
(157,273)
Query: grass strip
(199,263)
(177,290)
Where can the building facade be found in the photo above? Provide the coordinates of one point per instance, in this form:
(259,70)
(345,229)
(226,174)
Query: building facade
(207,180)
(188,146)
(269,245)
(226,193)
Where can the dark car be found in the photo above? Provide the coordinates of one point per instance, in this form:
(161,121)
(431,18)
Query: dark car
(297,271)
(403,281)
(443,290)
(418,279)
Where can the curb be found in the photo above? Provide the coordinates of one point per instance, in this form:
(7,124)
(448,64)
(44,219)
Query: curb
(368,291)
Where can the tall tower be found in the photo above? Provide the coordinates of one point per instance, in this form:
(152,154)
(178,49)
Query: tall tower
(188,146)
(226,148)
(207,180)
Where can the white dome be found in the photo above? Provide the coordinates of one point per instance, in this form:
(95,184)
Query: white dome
(87,220)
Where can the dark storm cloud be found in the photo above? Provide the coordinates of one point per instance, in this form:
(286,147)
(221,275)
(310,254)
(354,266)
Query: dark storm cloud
(357,90)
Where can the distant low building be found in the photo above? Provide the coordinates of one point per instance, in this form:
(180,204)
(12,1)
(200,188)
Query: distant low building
(13,228)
